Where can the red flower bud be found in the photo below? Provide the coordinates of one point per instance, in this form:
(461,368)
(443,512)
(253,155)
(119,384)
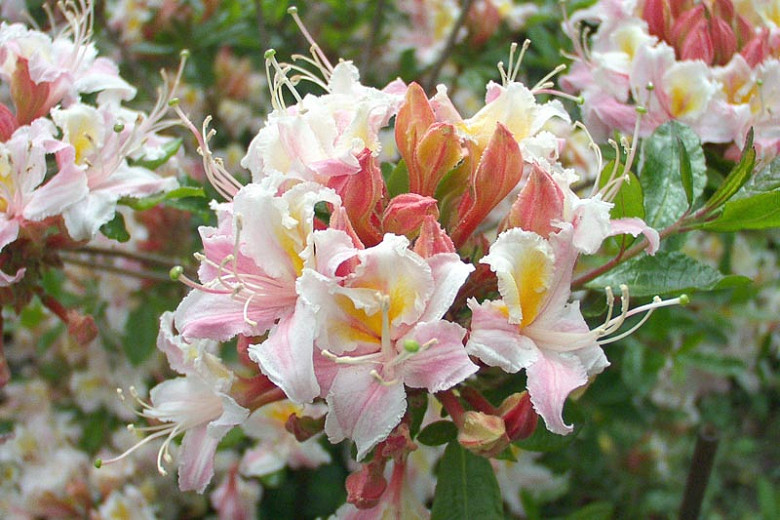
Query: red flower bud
(519,416)
(366,486)
(724,41)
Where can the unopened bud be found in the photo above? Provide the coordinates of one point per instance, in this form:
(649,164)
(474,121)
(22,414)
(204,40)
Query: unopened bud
(176,272)
(483,434)
(519,416)
(366,486)
(304,427)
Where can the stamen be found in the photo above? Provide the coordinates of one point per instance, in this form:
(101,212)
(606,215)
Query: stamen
(315,49)
(382,381)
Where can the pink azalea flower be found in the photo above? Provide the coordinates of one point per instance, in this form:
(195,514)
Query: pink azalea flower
(248,273)
(24,197)
(101,140)
(379,328)
(321,136)
(197,405)
(535,327)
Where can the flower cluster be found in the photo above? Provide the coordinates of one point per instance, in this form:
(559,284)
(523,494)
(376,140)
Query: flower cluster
(713,65)
(65,160)
(351,287)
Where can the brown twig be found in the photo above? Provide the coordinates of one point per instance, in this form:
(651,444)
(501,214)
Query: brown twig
(449,46)
(699,475)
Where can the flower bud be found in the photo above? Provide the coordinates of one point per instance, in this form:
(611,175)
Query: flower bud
(538,205)
(519,416)
(433,239)
(405,214)
(483,434)
(366,486)
(304,427)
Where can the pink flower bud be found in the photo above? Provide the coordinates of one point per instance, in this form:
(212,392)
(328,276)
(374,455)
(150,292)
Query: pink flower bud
(361,194)
(498,171)
(539,204)
(519,416)
(658,15)
(304,427)
(366,486)
(433,239)
(757,49)
(8,123)
(724,41)
(697,44)
(406,212)
(483,434)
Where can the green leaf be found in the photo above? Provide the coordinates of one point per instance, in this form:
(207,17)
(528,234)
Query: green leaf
(417,404)
(140,337)
(665,196)
(546,441)
(760,211)
(438,433)
(737,177)
(666,273)
(398,180)
(713,363)
(594,511)
(629,198)
(115,229)
(466,488)
(181,192)
(168,150)
(686,175)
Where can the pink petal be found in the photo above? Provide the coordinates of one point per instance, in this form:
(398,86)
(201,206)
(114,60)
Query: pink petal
(551,378)
(196,463)
(362,409)
(286,356)
(634,226)
(443,364)
(497,342)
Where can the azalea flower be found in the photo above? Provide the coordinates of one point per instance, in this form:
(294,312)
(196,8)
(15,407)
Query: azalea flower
(535,327)
(379,327)
(198,405)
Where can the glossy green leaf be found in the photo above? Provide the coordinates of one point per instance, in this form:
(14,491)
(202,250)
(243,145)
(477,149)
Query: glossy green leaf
(181,192)
(629,199)
(666,273)
(760,211)
(737,177)
(438,433)
(115,229)
(686,175)
(466,488)
(665,197)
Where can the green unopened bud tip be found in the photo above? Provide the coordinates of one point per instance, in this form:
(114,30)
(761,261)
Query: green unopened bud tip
(98,463)
(119,127)
(270,53)
(292,10)
(185,53)
(641,110)
(684,299)
(176,272)
(174,102)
